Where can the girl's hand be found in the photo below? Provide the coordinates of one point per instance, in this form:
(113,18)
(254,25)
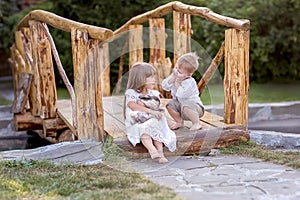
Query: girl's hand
(156,114)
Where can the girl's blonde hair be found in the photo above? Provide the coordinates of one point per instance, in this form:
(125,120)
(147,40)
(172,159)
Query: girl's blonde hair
(138,75)
(189,62)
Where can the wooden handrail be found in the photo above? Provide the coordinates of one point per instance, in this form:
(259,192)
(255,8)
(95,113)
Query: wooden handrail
(211,69)
(65,24)
(62,73)
(188,9)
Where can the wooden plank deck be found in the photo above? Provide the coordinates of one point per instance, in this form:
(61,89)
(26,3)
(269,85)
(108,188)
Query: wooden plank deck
(215,133)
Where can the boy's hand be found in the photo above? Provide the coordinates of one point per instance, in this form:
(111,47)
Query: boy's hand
(178,76)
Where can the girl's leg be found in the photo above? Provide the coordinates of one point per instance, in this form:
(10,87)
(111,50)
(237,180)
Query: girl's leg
(148,143)
(176,116)
(194,117)
(159,147)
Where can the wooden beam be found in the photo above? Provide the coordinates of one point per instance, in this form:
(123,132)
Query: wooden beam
(67,135)
(51,126)
(44,78)
(212,16)
(236,76)
(64,24)
(182,30)
(87,84)
(158,12)
(190,143)
(62,72)
(20,100)
(188,9)
(211,69)
(103,60)
(157,45)
(27,121)
(135,44)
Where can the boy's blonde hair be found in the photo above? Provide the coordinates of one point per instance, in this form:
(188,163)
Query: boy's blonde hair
(189,62)
(138,75)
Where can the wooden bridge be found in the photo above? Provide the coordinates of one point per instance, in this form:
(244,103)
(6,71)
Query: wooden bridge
(91,111)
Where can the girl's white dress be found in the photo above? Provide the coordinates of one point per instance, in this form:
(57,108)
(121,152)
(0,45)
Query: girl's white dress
(157,129)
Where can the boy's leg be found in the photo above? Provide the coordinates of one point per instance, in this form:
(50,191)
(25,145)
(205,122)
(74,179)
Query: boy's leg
(148,143)
(176,116)
(194,117)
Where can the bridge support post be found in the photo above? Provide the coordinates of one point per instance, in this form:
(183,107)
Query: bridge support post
(236,77)
(87,84)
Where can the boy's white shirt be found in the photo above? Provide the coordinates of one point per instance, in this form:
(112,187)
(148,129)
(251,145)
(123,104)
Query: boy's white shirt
(187,90)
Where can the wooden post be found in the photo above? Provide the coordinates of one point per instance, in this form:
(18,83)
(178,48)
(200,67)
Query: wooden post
(22,93)
(182,34)
(103,60)
(236,77)
(43,94)
(157,45)
(135,44)
(23,47)
(87,84)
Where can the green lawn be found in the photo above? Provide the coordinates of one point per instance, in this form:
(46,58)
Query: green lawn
(28,179)
(258,93)
(214,94)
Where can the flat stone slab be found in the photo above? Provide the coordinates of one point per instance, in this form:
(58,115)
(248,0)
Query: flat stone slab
(275,139)
(224,177)
(75,152)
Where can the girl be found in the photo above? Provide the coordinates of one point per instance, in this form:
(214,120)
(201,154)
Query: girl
(154,132)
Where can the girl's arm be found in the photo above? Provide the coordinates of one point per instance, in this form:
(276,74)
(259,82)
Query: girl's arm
(138,107)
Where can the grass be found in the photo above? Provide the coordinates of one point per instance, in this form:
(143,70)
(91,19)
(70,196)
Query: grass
(214,94)
(250,149)
(4,101)
(28,179)
(258,93)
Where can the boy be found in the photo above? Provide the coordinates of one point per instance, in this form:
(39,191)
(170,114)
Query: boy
(185,103)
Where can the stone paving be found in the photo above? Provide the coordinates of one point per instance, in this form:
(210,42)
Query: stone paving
(224,177)
(209,177)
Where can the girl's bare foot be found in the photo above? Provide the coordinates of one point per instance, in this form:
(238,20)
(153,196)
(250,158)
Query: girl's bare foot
(154,155)
(162,160)
(195,127)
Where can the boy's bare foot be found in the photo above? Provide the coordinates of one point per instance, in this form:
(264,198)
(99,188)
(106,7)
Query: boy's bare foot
(154,155)
(176,125)
(195,127)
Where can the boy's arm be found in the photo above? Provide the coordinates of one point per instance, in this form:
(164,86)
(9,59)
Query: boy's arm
(187,88)
(168,82)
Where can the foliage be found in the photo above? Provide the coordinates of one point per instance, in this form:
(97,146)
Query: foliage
(10,15)
(274,35)
(7,8)
(274,41)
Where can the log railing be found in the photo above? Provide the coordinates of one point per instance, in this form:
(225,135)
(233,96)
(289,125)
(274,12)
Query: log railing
(31,55)
(33,50)
(235,51)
